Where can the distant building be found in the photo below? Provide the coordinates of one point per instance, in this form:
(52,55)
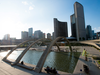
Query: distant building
(13,40)
(24,35)
(38,34)
(44,35)
(6,37)
(52,36)
(92,33)
(48,36)
(78,22)
(60,29)
(89,32)
(95,36)
(98,35)
(30,32)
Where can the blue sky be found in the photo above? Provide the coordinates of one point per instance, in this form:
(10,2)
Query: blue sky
(19,15)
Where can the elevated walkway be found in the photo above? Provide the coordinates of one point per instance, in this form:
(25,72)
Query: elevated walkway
(95,43)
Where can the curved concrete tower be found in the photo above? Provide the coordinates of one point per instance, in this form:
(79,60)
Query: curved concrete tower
(60,29)
(79,20)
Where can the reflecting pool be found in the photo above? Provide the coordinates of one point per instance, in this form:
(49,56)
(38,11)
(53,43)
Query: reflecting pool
(63,61)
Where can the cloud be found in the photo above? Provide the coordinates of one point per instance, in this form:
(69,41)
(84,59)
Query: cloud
(26,11)
(24,2)
(97,29)
(30,2)
(94,28)
(30,8)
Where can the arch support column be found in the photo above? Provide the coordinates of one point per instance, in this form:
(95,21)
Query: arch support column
(46,52)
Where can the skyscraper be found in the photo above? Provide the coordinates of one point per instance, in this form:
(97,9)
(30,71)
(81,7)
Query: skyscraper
(60,29)
(44,35)
(93,35)
(24,35)
(98,35)
(79,22)
(6,37)
(30,32)
(52,35)
(73,25)
(48,36)
(88,32)
(38,34)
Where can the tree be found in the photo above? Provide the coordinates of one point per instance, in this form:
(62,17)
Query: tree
(80,39)
(83,38)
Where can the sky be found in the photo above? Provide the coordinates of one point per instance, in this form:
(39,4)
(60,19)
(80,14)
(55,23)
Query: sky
(20,15)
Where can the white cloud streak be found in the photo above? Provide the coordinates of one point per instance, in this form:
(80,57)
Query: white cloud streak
(97,29)
(24,2)
(30,8)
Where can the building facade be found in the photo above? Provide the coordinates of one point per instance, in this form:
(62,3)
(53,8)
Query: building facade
(6,37)
(88,32)
(48,36)
(24,35)
(38,34)
(73,25)
(79,24)
(98,35)
(30,33)
(44,35)
(52,35)
(60,29)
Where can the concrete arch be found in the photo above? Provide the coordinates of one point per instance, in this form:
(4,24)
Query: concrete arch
(46,52)
(21,44)
(23,53)
(15,48)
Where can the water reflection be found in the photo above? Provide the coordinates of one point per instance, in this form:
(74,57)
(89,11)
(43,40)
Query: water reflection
(61,61)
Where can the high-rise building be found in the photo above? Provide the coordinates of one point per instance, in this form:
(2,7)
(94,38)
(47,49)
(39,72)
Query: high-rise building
(95,36)
(30,32)
(44,35)
(52,35)
(88,32)
(48,36)
(6,37)
(92,34)
(73,25)
(60,29)
(38,34)
(24,35)
(79,24)
(98,35)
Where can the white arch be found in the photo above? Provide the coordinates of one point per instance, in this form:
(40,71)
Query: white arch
(46,52)
(15,48)
(23,53)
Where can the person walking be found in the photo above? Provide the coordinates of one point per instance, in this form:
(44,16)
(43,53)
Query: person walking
(85,54)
